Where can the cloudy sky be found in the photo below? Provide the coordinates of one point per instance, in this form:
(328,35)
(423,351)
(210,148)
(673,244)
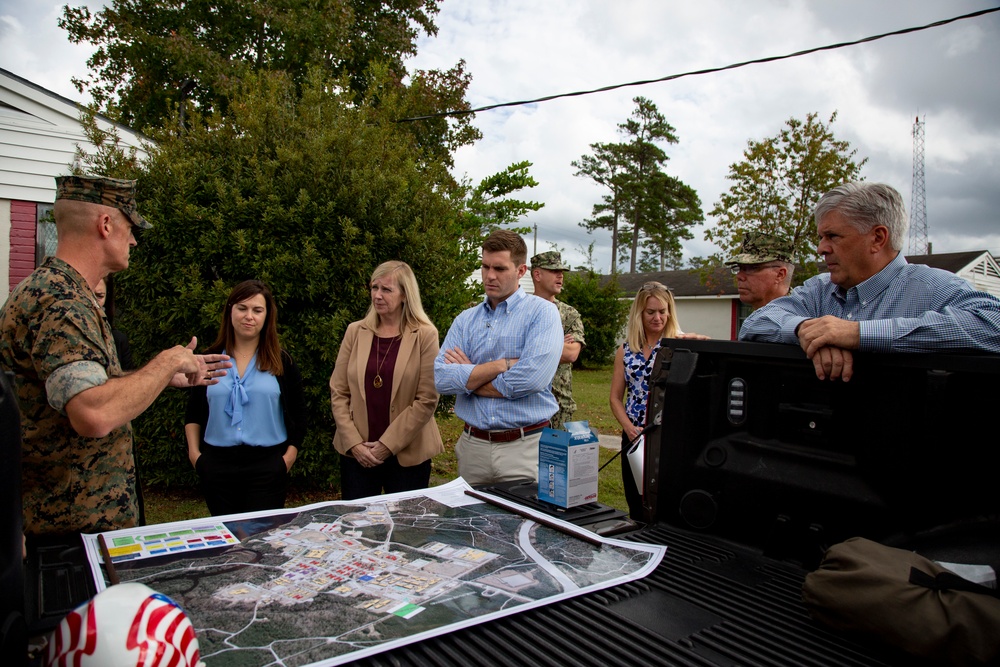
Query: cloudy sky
(525,49)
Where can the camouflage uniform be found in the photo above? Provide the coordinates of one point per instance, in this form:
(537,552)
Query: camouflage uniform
(562,383)
(55,339)
(760,248)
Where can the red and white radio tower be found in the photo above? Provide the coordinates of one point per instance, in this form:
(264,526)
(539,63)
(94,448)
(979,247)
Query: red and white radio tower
(919,245)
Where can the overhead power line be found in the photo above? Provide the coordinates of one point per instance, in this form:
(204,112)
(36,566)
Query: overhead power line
(671,77)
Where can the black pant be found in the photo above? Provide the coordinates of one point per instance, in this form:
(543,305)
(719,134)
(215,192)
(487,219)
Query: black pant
(632,495)
(356,481)
(242,478)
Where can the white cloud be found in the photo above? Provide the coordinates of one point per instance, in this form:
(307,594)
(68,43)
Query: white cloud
(522,49)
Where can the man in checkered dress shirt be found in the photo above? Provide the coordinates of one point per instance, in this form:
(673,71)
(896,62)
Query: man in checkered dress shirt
(872,300)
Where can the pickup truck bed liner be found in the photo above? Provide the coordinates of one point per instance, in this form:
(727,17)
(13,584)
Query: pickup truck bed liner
(708,603)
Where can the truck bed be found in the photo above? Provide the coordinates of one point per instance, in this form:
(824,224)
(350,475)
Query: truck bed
(708,603)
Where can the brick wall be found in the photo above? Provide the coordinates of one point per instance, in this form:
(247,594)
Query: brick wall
(22,241)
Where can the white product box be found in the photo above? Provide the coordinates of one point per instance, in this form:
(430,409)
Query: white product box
(568,461)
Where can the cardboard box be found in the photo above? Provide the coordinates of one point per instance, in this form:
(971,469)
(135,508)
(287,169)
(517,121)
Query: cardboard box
(568,461)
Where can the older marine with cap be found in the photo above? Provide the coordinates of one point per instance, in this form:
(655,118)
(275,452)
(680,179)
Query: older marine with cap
(547,273)
(78,468)
(763,268)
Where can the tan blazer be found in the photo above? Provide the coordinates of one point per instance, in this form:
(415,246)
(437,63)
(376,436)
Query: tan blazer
(412,434)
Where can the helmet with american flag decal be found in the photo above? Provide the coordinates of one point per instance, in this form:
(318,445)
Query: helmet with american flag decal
(127,624)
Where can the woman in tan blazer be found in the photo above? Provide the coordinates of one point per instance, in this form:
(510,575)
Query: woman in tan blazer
(382,391)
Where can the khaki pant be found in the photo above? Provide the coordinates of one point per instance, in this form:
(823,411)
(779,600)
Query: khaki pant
(485,462)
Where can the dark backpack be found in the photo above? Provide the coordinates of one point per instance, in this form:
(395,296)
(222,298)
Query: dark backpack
(906,601)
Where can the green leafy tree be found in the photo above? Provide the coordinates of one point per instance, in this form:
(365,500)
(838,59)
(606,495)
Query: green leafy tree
(490,206)
(486,207)
(153,57)
(606,168)
(306,191)
(430,92)
(589,261)
(653,260)
(646,205)
(602,312)
(679,208)
(777,185)
(644,160)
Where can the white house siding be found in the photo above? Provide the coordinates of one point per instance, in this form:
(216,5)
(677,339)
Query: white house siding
(984,275)
(709,315)
(39,134)
(33,153)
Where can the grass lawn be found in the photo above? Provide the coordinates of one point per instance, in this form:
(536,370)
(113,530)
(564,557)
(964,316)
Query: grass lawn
(590,389)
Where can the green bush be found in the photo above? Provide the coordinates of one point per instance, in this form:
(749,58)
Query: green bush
(308,194)
(602,312)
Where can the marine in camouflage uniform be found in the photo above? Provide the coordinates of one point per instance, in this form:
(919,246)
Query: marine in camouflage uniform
(572,324)
(54,337)
(562,383)
(56,341)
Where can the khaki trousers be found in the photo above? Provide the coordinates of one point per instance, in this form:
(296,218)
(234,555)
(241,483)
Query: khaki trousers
(484,462)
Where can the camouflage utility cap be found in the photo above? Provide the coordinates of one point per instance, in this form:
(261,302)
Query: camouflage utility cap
(550,260)
(758,248)
(112,192)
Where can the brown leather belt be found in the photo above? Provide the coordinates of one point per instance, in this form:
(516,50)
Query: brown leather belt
(505,436)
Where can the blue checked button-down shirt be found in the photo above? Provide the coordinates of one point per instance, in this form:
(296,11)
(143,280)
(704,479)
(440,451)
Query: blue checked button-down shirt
(522,327)
(902,308)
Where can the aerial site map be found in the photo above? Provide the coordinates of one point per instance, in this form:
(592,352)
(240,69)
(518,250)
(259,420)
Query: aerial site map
(333,582)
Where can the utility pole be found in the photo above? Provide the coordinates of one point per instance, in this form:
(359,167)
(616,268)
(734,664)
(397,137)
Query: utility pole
(534,249)
(919,245)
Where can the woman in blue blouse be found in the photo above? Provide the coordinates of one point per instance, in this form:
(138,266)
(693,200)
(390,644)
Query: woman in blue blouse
(652,318)
(244,433)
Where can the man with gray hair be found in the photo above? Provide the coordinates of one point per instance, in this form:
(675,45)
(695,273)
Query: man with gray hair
(872,300)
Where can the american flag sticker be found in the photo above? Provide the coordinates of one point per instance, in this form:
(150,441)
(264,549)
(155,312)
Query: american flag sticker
(163,634)
(74,638)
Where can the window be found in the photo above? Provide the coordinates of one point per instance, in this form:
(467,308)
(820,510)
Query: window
(742,313)
(45,233)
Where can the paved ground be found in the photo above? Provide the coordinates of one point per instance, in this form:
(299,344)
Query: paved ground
(610,441)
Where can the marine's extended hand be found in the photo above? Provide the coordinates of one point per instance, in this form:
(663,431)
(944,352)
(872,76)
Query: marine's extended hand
(198,369)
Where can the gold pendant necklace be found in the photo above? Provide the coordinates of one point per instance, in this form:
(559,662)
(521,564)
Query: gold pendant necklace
(377,380)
